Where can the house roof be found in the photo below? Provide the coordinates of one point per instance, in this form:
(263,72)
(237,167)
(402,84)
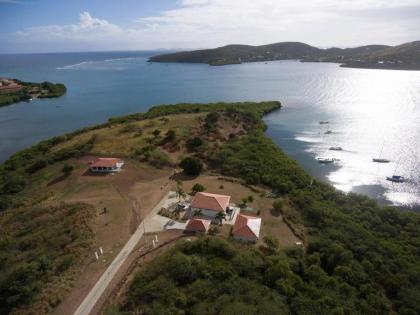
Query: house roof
(105,162)
(247,226)
(211,202)
(198,225)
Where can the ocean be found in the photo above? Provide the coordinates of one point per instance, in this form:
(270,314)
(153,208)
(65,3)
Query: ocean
(370,113)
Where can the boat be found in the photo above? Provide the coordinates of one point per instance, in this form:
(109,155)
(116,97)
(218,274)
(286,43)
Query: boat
(336,148)
(396,179)
(380,160)
(324,122)
(327,160)
(328,132)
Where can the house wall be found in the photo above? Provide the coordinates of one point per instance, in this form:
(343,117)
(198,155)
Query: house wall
(105,169)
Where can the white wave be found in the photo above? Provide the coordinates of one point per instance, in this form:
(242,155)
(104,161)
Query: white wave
(101,64)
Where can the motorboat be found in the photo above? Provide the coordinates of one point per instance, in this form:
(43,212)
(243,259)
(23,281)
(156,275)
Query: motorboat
(324,122)
(336,148)
(327,160)
(380,160)
(396,179)
(328,132)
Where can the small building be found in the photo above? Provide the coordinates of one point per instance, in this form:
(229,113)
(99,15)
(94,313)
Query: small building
(198,225)
(209,205)
(106,165)
(246,228)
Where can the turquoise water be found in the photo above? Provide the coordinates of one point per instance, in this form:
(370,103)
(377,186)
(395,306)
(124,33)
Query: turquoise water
(367,109)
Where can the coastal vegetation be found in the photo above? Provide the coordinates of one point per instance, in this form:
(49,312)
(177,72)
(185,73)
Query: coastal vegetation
(405,56)
(358,258)
(29,90)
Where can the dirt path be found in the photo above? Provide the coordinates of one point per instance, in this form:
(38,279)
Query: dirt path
(96,292)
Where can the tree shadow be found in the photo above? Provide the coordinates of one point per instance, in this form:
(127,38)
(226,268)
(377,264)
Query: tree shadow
(89,173)
(181,176)
(57,180)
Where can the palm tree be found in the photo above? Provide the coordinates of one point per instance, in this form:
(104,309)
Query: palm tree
(221,216)
(197,212)
(180,193)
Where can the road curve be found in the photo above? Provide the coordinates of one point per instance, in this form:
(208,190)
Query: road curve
(96,292)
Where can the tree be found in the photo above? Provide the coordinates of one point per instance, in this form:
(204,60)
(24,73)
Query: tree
(250,198)
(244,201)
(180,193)
(193,143)
(197,188)
(191,166)
(67,169)
(197,212)
(156,133)
(221,216)
(278,206)
(170,135)
(272,243)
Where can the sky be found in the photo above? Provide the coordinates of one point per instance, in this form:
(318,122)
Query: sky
(28,26)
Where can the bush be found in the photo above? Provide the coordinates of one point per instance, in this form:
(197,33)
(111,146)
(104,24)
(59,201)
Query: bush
(67,169)
(14,184)
(191,166)
(158,158)
(194,143)
(198,188)
(278,206)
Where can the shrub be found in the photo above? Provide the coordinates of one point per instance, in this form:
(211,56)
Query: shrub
(191,166)
(194,143)
(278,206)
(198,188)
(14,184)
(67,169)
(158,158)
(271,242)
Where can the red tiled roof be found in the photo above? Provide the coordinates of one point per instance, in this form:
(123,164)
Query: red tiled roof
(247,226)
(105,162)
(211,202)
(198,225)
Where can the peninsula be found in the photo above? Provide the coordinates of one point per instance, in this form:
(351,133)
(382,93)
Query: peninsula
(401,57)
(72,205)
(13,90)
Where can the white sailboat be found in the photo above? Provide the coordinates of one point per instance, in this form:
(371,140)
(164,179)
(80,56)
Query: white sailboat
(396,178)
(380,159)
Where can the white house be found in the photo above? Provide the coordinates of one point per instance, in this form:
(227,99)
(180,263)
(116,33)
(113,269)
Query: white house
(106,165)
(209,205)
(246,228)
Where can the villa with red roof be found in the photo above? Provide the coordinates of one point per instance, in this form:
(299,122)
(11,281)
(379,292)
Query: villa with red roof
(209,205)
(246,228)
(106,165)
(198,225)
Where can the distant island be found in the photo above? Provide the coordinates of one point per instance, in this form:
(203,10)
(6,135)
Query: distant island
(13,90)
(401,57)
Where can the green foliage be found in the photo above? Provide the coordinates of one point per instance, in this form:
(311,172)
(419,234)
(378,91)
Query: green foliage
(278,206)
(158,158)
(197,188)
(37,245)
(271,242)
(194,143)
(192,166)
(67,169)
(362,247)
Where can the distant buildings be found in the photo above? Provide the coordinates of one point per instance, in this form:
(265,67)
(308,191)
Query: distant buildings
(9,86)
(106,165)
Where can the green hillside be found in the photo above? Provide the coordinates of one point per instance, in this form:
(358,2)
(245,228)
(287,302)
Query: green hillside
(406,56)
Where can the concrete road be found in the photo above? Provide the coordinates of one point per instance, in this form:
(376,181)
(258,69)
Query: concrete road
(95,293)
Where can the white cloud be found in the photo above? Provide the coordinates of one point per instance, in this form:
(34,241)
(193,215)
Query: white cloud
(208,23)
